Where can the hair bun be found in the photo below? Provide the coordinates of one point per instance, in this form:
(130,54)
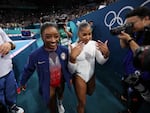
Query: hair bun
(81,22)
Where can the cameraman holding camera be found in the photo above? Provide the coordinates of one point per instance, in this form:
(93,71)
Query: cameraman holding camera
(64,31)
(135,79)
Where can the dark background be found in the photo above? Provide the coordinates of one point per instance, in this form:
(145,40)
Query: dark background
(42,3)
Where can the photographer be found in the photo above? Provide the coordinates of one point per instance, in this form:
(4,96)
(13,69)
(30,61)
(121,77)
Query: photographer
(134,77)
(64,31)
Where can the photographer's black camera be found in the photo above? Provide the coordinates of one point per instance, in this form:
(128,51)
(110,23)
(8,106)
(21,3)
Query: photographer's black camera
(128,28)
(60,22)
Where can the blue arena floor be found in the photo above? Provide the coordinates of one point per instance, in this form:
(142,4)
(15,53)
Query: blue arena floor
(104,99)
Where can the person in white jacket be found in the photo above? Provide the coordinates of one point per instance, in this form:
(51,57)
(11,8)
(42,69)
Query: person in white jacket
(82,62)
(7,78)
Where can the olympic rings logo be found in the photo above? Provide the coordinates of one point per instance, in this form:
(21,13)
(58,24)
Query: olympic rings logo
(146,2)
(116,18)
(109,22)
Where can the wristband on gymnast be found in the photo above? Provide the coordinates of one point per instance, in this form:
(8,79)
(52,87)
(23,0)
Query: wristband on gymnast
(130,40)
(12,46)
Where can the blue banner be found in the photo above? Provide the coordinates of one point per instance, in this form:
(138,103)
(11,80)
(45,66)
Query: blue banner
(109,17)
(104,19)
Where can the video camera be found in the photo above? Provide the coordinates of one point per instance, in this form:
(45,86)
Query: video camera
(128,28)
(142,61)
(61,21)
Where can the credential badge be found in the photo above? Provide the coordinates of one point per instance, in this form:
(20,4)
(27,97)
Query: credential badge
(63,56)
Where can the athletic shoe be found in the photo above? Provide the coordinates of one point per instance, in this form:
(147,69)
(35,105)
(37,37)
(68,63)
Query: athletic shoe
(16,109)
(60,106)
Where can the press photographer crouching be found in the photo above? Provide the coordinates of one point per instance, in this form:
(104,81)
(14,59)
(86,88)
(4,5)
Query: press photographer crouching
(136,80)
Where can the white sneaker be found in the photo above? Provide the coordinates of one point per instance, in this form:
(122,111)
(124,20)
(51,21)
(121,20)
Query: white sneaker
(16,109)
(60,106)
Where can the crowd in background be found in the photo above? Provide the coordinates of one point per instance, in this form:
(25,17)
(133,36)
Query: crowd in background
(11,18)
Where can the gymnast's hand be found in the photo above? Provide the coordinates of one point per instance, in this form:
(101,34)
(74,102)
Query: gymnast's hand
(103,47)
(76,51)
(5,48)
